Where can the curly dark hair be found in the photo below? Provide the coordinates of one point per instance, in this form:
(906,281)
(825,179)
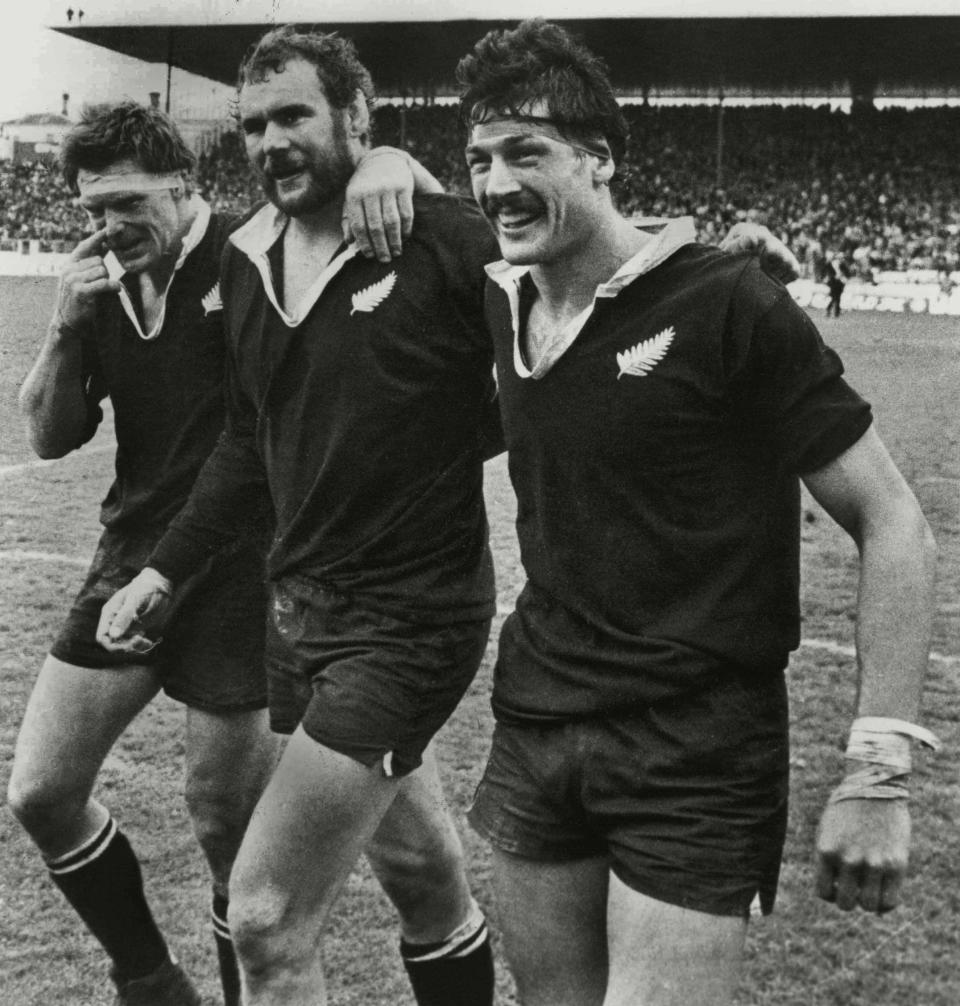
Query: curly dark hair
(339,70)
(124,131)
(508,70)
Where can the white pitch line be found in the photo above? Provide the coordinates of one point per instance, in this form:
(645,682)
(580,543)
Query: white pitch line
(827,645)
(848,651)
(45,463)
(24,555)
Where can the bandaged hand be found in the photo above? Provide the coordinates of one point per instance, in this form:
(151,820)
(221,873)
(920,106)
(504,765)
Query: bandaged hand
(863,843)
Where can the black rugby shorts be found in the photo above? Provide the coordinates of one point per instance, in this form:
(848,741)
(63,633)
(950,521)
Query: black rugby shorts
(687,798)
(367,684)
(211,654)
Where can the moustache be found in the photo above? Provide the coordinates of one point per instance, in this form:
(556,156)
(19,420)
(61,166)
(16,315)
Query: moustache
(278,166)
(490,206)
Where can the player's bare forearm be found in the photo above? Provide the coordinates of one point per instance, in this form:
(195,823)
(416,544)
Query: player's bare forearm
(866,494)
(864,838)
(895,608)
(51,397)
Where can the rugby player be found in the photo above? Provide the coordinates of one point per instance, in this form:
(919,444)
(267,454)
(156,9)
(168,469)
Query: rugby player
(357,393)
(661,403)
(139,319)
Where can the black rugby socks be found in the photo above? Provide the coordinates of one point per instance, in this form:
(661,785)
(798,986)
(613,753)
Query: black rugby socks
(229,969)
(455,972)
(103,882)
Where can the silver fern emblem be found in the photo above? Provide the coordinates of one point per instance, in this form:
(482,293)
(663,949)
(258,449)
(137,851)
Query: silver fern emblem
(212,302)
(374,295)
(643,357)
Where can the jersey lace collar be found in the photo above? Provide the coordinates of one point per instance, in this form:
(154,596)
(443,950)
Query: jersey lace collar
(115,270)
(672,234)
(255,239)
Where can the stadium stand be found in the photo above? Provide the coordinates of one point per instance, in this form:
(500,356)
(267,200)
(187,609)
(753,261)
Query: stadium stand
(877,189)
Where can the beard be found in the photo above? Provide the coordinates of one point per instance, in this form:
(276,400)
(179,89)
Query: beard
(325,176)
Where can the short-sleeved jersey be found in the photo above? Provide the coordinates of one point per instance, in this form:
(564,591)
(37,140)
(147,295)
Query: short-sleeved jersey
(167,392)
(363,417)
(656,470)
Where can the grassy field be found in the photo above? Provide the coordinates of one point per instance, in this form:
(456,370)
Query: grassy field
(806,954)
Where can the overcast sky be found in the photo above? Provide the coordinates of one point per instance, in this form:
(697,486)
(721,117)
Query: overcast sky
(38,64)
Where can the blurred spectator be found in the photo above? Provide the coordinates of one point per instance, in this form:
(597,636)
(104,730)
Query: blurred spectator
(880,189)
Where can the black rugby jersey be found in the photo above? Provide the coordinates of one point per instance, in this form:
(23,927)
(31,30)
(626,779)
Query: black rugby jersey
(166,391)
(656,470)
(361,419)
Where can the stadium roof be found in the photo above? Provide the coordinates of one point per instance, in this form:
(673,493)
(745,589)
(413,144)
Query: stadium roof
(891,55)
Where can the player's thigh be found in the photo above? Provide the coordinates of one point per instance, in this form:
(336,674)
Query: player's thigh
(417,824)
(553,919)
(665,955)
(418,858)
(229,758)
(72,720)
(316,814)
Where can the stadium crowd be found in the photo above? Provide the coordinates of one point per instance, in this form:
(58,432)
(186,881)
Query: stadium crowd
(877,189)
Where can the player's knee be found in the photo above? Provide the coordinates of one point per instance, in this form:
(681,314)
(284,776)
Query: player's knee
(216,817)
(419,875)
(262,926)
(42,804)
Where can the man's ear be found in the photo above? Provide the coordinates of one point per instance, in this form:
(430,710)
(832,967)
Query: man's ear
(358,116)
(604,171)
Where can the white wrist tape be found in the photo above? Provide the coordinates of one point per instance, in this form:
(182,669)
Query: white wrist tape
(888,725)
(881,746)
(872,782)
(889,750)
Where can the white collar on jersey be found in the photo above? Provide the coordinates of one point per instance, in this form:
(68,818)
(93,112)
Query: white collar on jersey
(673,234)
(258,235)
(194,236)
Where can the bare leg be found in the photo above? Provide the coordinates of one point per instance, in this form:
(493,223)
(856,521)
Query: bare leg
(316,815)
(662,955)
(73,719)
(229,759)
(553,917)
(418,858)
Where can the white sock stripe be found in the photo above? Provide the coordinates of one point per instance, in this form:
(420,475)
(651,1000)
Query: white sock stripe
(468,946)
(85,853)
(220,927)
(456,946)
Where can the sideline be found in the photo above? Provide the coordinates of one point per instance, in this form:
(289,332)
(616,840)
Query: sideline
(826,645)
(842,650)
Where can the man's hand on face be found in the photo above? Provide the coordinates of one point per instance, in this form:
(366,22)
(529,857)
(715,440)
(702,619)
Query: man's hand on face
(378,203)
(776,259)
(83,279)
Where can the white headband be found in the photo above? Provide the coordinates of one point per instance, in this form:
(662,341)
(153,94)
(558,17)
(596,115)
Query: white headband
(533,125)
(90,183)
